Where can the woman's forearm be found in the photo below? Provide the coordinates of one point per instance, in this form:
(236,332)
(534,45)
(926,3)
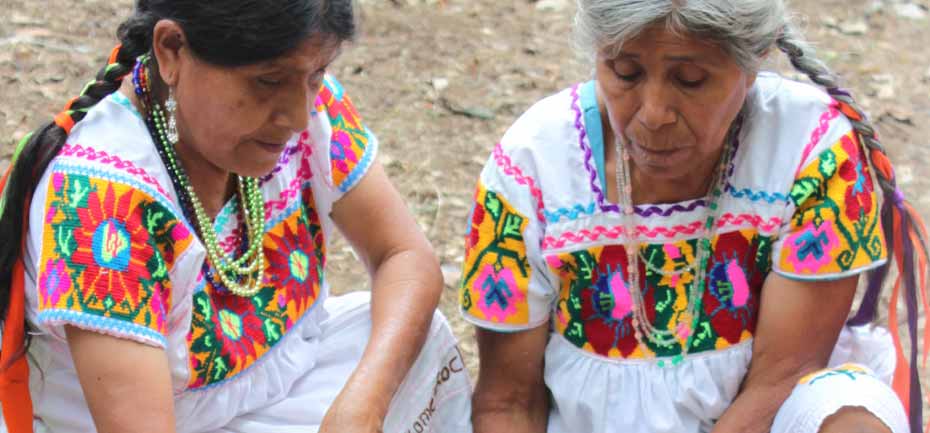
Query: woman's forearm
(511,393)
(526,414)
(405,292)
(799,322)
(759,400)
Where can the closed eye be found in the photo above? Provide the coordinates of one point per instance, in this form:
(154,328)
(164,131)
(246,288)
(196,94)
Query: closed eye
(267,81)
(691,84)
(629,77)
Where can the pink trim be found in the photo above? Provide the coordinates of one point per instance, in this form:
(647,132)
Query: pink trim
(507,166)
(823,124)
(90,154)
(615,232)
(304,173)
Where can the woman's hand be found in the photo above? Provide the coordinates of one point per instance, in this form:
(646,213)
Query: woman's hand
(351,412)
(405,283)
(799,322)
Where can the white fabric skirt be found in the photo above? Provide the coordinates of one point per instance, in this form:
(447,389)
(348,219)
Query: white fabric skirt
(289,391)
(600,395)
(434,397)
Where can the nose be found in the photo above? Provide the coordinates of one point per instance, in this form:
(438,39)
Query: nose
(656,107)
(293,111)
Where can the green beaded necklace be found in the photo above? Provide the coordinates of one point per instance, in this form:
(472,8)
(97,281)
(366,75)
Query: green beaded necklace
(241,275)
(643,329)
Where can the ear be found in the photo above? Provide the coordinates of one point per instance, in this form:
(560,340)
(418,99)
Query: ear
(751,79)
(169,46)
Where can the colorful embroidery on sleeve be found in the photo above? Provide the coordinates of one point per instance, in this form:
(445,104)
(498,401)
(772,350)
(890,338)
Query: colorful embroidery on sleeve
(849,371)
(495,285)
(351,148)
(106,253)
(835,229)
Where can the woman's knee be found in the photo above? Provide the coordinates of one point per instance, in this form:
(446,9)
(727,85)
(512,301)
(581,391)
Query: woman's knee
(853,420)
(846,398)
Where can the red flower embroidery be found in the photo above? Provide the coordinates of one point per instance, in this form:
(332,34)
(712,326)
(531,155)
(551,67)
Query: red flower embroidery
(294,266)
(474,233)
(241,331)
(114,244)
(858,197)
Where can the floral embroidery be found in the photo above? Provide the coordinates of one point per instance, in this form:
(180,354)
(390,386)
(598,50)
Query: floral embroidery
(594,310)
(848,370)
(496,292)
(858,197)
(497,273)
(106,253)
(835,228)
(230,333)
(812,248)
(351,146)
(55,281)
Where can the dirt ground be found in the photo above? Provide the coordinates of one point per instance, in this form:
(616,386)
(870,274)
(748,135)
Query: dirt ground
(440,81)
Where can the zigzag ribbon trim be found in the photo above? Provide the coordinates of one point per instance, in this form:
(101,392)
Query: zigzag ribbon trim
(507,166)
(822,125)
(90,154)
(728,219)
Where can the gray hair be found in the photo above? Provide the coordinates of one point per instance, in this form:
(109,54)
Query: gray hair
(746,29)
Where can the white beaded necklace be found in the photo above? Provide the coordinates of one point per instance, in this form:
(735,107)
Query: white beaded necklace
(688,320)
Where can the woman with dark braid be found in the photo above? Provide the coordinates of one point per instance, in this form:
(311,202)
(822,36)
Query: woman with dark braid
(675,245)
(164,240)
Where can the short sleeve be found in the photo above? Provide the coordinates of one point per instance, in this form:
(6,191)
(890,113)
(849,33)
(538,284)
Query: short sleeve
(106,252)
(352,146)
(834,229)
(505,285)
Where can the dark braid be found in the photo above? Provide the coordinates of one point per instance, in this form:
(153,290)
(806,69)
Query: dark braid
(43,145)
(901,225)
(220,32)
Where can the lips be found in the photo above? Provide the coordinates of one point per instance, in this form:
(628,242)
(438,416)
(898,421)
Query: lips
(657,157)
(272,146)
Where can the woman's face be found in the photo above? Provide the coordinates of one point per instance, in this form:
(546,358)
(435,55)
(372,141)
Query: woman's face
(672,99)
(238,119)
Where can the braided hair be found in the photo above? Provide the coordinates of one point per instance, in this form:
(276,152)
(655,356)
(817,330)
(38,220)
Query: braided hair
(748,30)
(38,148)
(221,32)
(904,232)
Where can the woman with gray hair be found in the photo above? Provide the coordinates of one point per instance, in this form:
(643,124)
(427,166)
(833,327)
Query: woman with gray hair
(675,245)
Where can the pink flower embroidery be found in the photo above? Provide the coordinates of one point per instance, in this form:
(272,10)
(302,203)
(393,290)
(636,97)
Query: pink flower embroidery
(810,248)
(739,283)
(623,303)
(54,282)
(499,294)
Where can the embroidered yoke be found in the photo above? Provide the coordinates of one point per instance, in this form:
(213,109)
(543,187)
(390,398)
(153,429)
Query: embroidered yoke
(109,250)
(545,245)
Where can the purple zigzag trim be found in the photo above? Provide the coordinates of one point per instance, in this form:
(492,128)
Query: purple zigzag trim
(285,158)
(656,210)
(592,171)
(588,155)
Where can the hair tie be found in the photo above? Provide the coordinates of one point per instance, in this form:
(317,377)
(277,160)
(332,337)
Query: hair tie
(898,196)
(840,91)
